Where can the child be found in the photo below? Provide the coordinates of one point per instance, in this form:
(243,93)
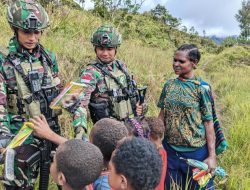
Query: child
(105,134)
(76,164)
(135,165)
(157,130)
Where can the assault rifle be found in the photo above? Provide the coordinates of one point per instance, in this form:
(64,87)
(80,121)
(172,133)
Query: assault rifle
(141,93)
(45,155)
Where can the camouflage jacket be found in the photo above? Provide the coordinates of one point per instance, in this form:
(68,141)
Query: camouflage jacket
(4,119)
(96,85)
(8,82)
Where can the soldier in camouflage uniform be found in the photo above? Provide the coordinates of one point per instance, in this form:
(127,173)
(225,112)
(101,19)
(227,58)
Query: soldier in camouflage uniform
(111,91)
(28,83)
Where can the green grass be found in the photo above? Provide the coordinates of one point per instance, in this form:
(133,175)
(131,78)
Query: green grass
(229,76)
(227,72)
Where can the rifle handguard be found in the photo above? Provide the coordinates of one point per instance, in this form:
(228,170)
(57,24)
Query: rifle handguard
(144,108)
(74,106)
(141,93)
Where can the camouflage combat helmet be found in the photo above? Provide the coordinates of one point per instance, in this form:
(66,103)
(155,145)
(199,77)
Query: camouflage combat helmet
(106,36)
(27,15)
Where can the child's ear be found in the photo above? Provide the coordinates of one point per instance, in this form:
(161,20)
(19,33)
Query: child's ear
(124,182)
(61,179)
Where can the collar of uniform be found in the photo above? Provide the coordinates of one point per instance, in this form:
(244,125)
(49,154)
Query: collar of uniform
(110,66)
(16,48)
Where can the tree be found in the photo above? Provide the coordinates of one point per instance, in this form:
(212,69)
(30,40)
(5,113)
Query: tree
(4,1)
(204,33)
(56,3)
(243,17)
(161,14)
(109,8)
(184,29)
(229,41)
(192,30)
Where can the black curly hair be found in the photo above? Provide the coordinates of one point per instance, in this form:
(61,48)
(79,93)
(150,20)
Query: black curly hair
(193,51)
(105,134)
(156,127)
(80,162)
(139,161)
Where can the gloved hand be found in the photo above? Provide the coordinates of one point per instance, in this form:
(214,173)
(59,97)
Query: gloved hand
(80,123)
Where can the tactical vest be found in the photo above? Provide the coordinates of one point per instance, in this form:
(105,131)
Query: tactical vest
(21,100)
(119,103)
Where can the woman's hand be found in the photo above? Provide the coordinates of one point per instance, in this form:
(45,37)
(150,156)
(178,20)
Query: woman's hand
(212,164)
(210,137)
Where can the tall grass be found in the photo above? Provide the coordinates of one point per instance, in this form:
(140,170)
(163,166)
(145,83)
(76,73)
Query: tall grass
(228,73)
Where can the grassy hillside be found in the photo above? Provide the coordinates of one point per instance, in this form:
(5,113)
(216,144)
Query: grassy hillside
(229,74)
(149,56)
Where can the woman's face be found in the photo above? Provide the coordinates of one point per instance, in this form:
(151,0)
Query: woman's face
(28,39)
(182,65)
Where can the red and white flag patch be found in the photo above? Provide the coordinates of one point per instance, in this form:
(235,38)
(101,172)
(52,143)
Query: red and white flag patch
(86,79)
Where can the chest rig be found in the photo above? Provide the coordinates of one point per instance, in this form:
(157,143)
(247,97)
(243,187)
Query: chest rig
(119,101)
(33,88)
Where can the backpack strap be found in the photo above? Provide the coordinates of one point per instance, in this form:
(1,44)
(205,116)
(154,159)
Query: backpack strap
(16,62)
(46,55)
(107,73)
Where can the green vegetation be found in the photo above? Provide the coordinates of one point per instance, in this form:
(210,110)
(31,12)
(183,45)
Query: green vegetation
(229,74)
(244,19)
(148,50)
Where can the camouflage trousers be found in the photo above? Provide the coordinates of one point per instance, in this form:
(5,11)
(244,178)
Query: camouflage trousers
(25,173)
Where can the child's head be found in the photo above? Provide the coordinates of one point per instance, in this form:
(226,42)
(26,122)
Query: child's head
(105,134)
(156,127)
(135,165)
(76,164)
(137,127)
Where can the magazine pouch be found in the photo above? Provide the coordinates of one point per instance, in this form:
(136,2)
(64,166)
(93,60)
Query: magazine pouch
(27,156)
(99,111)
